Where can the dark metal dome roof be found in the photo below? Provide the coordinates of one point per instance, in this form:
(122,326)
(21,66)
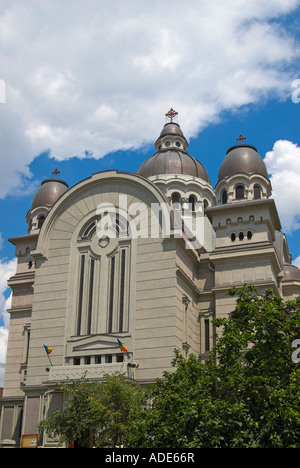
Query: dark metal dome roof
(291,273)
(173,162)
(242,158)
(49,192)
(172,128)
(171,156)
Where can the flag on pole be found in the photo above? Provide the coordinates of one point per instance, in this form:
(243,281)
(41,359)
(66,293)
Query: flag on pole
(122,346)
(48,349)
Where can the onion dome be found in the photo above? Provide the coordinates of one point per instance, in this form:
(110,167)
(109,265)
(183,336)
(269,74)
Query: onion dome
(49,192)
(242,158)
(172,156)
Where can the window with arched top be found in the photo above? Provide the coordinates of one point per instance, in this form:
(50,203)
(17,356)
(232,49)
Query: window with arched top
(176,200)
(41,220)
(239,192)
(102,278)
(224,197)
(257,192)
(192,202)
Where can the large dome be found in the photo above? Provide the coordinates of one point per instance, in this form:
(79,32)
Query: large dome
(244,159)
(49,192)
(173,162)
(172,157)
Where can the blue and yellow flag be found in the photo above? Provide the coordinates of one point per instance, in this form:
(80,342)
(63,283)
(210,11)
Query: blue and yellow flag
(122,346)
(48,349)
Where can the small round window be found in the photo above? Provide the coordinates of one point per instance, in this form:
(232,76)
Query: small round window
(168,143)
(178,144)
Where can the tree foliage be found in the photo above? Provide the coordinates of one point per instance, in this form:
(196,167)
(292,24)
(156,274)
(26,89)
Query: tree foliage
(247,394)
(96,414)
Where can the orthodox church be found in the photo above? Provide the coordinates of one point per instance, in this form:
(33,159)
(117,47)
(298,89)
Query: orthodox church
(117,271)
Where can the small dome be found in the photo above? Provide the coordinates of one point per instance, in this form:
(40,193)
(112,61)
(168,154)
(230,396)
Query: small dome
(171,156)
(291,273)
(172,128)
(173,162)
(49,192)
(244,159)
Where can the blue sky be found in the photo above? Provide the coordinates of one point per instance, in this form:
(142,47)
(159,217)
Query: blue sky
(87,85)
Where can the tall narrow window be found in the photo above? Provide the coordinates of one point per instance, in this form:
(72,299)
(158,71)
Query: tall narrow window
(122,290)
(111,295)
(192,203)
(176,200)
(91,291)
(41,220)
(80,298)
(257,192)
(224,197)
(206,333)
(239,192)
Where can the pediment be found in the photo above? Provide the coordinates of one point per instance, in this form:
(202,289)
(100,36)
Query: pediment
(93,344)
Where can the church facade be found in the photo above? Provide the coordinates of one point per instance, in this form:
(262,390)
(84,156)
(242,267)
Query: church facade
(144,258)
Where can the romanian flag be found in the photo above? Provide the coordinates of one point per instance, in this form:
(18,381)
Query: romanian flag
(122,346)
(48,349)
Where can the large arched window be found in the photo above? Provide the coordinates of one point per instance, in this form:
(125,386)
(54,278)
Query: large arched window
(239,192)
(257,192)
(103,280)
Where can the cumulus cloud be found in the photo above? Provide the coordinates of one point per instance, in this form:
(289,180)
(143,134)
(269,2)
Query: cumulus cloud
(93,76)
(283,164)
(297,262)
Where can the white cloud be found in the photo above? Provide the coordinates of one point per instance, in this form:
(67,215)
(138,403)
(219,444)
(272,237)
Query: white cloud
(96,75)
(283,164)
(297,261)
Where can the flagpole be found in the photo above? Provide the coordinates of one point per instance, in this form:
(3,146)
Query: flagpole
(48,351)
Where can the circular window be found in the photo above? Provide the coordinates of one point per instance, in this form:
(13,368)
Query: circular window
(178,144)
(168,143)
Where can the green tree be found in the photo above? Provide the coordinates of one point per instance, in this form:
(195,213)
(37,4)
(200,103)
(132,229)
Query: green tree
(246,395)
(95,413)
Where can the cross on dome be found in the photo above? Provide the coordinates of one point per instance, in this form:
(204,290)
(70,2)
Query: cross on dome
(171,114)
(241,138)
(55,173)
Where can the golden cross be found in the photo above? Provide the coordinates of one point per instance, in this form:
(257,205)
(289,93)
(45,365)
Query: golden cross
(171,114)
(55,173)
(241,138)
